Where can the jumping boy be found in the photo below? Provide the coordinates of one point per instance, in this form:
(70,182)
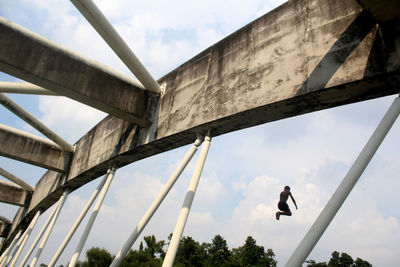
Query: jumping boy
(282,205)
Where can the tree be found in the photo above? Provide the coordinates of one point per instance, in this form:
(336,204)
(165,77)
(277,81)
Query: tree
(190,253)
(98,257)
(148,255)
(313,263)
(362,263)
(340,260)
(218,252)
(250,254)
(153,247)
(140,258)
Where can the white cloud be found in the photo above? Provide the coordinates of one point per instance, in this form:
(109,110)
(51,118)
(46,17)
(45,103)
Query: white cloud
(68,117)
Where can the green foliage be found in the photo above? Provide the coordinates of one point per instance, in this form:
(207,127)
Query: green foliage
(190,253)
(153,247)
(98,257)
(140,258)
(217,253)
(340,260)
(250,254)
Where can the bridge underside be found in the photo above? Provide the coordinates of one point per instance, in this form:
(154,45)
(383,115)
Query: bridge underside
(302,57)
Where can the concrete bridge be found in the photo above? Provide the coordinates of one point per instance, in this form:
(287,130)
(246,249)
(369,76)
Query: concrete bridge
(302,57)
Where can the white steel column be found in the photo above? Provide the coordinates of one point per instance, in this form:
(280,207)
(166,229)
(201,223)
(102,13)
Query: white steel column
(14,250)
(50,228)
(16,180)
(187,203)
(77,222)
(4,257)
(154,206)
(23,88)
(94,16)
(345,187)
(25,238)
(92,218)
(38,125)
(44,227)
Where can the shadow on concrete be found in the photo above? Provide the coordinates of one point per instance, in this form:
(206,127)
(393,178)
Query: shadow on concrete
(339,52)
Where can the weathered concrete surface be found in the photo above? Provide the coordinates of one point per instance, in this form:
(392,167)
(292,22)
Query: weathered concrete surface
(33,151)
(4,227)
(35,59)
(302,57)
(13,194)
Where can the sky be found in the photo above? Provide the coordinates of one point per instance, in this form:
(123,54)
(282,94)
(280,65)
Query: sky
(245,170)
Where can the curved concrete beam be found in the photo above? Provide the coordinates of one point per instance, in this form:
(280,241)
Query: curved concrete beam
(23,88)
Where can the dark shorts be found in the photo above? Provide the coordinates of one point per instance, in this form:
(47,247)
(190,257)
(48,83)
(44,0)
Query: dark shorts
(283,206)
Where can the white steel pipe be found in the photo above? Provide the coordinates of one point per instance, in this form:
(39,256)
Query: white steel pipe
(16,180)
(15,249)
(49,229)
(25,238)
(100,23)
(4,257)
(345,187)
(92,218)
(154,206)
(44,227)
(187,203)
(38,125)
(77,222)
(23,88)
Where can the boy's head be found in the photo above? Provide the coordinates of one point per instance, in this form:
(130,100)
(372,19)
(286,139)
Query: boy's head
(287,188)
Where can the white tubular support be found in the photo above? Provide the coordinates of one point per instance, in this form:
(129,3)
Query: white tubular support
(44,227)
(153,208)
(49,229)
(23,88)
(38,125)
(25,238)
(16,180)
(100,23)
(15,249)
(92,218)
(345,187)
(187,203)
(77,222)
(4,257)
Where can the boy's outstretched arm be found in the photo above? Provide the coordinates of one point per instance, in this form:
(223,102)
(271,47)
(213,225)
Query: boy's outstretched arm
(294,201)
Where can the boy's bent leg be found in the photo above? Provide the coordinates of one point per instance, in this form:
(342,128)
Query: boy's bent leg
(287,213)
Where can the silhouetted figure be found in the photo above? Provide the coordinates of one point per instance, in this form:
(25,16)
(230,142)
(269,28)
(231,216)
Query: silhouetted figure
(282,204)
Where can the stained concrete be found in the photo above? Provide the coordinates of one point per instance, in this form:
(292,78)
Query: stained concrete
(33,151)
(305,56)
(35,59)
(13,194)
(4,229)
